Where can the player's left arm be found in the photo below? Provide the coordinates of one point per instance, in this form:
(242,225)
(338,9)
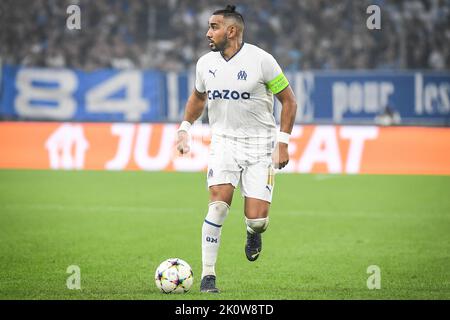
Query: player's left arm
(280,156)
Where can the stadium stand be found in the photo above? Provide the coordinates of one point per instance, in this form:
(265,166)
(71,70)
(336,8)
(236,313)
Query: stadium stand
(169,35)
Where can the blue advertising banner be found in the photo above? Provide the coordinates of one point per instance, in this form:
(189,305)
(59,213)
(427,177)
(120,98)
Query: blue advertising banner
(64,94)
(361,96)
(340,97)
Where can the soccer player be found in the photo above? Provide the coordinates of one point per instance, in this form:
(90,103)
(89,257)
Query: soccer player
(238,80)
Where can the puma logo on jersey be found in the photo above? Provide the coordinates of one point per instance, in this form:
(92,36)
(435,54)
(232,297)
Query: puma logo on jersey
(213,73)
(227,94)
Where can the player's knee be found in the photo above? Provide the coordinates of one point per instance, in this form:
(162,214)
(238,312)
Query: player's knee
(223,192)
(218,211)
(257,225)
(254,210)
(214,192)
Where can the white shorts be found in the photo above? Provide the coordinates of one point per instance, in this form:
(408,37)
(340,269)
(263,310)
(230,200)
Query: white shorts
(246,165)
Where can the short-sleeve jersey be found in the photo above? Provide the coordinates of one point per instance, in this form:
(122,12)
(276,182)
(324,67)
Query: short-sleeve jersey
(240,91)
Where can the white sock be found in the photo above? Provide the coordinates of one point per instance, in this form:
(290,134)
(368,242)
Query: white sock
(258,225)
(211,230)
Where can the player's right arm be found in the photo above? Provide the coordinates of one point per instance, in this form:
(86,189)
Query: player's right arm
(193,111)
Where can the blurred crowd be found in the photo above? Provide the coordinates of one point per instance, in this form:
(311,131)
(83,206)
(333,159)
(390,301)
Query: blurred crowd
(170,34)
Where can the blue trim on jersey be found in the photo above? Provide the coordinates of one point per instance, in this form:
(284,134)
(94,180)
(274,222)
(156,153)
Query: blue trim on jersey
(213,224)
(233,54)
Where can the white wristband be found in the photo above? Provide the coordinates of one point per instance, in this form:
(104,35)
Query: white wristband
(283,137)
(185,126)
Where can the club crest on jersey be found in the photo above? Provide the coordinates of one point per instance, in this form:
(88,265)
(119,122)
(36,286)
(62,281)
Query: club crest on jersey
(227,95)
(242,75)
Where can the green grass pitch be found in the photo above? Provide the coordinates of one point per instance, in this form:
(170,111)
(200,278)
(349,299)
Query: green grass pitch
(324,232)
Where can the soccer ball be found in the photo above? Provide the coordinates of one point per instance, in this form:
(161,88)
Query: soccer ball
(174,276)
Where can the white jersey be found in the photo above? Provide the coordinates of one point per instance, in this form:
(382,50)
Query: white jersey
(240,92)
